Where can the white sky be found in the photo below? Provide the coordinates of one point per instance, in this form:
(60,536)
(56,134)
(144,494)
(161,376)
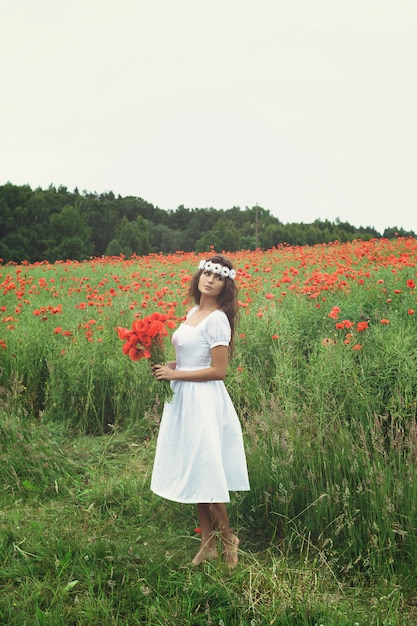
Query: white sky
(306,107)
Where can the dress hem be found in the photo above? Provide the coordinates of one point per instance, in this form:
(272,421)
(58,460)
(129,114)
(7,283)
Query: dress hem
(193,501)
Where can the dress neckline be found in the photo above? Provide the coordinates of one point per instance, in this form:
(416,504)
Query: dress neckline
(201,321)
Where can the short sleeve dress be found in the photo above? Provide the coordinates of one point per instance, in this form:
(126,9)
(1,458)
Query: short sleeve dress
(200,454)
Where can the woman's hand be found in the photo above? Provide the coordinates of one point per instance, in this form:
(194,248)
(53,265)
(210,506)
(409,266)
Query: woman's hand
(163,372)
(216,371)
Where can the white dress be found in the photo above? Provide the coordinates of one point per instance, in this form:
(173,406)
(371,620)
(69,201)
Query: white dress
(199,454)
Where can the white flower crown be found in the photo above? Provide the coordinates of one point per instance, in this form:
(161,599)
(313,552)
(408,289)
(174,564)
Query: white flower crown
(217,268)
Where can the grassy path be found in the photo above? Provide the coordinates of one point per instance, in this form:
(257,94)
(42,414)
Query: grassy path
(83,541)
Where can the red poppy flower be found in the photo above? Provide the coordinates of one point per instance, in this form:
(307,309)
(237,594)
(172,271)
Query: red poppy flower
(145,341)
(123,332)
(361,326)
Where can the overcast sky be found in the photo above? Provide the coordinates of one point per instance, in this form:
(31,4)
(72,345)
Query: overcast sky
(305,107)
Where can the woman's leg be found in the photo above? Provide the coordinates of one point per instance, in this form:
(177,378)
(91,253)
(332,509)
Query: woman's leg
(208,548)
(229,540)
(214,517)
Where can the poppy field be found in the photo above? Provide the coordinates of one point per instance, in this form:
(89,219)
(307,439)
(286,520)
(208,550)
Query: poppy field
(323,377)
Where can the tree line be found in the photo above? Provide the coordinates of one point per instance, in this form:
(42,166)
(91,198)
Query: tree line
(57,224)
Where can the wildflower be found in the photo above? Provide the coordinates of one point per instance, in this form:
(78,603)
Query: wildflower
(334,313)
(348,339)
(361,326)
(357,346)
(410,311)
(384,321)
(326,342)
(411,284)
(275,337)
(145,341)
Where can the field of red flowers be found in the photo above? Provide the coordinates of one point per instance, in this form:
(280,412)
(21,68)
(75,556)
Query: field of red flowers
(100,286)
(58,321)
(323,377)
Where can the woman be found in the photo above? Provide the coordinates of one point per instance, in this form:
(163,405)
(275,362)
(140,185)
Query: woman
(200,455)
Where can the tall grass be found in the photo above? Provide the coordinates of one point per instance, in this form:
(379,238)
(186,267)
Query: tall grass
(84,541)
(329,417)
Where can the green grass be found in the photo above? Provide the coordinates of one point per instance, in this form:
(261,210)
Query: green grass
(84,541)
(329,528)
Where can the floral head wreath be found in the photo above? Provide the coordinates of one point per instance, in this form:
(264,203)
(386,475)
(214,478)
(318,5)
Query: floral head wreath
(217,268)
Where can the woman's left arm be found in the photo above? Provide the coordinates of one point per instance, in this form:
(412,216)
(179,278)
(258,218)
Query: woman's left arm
(216,371)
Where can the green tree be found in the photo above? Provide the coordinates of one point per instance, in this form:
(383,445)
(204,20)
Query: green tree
(180,218)
(224,236)
(131,238)
(55,223)
(102,216)
(14,247)
(200,221)
(71,235)
(133,207)
(391,233)
(165,239)
(272,235)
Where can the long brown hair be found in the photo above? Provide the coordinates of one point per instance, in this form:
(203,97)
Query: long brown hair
(227,298)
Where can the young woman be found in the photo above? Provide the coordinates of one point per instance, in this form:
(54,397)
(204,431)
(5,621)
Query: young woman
(200,455)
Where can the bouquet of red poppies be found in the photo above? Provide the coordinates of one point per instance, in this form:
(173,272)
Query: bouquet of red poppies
(145,340)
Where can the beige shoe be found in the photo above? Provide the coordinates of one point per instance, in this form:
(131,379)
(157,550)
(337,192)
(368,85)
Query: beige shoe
(231,552)
(205,554)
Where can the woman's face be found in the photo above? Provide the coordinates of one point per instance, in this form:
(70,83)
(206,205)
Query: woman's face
(210,284)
